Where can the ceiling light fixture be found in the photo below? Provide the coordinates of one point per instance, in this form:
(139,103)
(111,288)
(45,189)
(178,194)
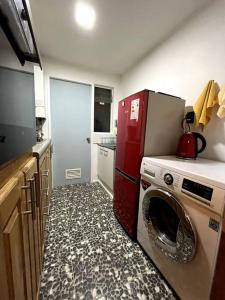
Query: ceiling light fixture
(85,15)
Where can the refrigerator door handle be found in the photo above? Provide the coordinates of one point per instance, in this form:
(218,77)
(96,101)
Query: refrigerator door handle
(134,180)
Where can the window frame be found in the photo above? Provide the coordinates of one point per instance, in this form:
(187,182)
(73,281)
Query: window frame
(111,110)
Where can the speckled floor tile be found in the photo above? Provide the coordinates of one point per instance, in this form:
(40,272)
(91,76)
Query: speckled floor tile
(88,255)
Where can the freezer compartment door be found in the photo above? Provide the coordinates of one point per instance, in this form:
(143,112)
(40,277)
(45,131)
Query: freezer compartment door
(126,199)
(132,114)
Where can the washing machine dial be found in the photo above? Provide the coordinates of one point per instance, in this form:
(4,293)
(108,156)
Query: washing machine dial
(168,178)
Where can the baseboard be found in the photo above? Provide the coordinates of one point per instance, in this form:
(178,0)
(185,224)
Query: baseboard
(104,186)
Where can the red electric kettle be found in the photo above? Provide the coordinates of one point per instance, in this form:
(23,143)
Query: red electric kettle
(188,144)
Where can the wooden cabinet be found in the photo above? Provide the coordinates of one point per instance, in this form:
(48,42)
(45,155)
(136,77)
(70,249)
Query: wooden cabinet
(20,235)
(106,166)
(24,197)
(13,283)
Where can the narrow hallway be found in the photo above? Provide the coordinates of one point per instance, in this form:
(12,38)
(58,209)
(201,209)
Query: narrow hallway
(87,254)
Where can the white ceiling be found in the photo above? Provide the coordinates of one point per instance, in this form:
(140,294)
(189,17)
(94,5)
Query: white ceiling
(125,30)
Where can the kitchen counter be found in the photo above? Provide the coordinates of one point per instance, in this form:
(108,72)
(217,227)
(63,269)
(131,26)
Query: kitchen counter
(40,147)
(108,146)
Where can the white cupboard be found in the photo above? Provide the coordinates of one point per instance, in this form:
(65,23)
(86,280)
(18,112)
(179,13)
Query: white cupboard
(106,166)
(39,92)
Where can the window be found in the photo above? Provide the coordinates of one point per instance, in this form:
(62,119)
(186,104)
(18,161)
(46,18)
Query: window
(102,109)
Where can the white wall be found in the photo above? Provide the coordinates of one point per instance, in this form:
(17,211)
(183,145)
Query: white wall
(184,63)
(56,69)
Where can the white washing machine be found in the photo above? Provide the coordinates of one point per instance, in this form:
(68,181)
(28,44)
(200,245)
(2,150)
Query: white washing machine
(181,209)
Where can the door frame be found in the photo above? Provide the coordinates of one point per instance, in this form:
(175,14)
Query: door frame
(111,109)
(48,112)
(48,74)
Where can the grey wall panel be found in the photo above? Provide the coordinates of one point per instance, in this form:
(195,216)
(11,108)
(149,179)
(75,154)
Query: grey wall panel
(17,113)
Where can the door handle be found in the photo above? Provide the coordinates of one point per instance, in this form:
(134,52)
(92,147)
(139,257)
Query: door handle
(88,140)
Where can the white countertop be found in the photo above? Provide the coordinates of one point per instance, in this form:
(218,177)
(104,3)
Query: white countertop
(210,170)
(41,147)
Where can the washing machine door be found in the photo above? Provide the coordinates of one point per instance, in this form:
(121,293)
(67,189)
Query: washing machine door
(169,225)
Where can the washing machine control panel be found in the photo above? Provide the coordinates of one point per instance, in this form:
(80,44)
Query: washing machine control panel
(177,182)
(168,178)
(195,189)
(162,176)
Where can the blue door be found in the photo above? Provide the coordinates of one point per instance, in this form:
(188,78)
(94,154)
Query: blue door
(71,129)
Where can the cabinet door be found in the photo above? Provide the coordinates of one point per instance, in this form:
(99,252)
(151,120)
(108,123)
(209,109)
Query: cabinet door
(13,273)
(100,162)
(49,167)
(105,166)
(44,175)
(13,240)
(39,86)
(26,242)
(104,171)
(33,220)
(47,174)
(109,167)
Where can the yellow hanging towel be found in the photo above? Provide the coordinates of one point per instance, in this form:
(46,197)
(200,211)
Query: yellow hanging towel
(221,99)
(205,103)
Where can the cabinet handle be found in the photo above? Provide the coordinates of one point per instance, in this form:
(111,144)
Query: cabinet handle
(25,187)
(46,174)
(33,198)
(46,189)
(45,194)
(37,188)
(27,212)
(46,213)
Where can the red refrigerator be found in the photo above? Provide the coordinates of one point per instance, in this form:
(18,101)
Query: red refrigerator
(144,120)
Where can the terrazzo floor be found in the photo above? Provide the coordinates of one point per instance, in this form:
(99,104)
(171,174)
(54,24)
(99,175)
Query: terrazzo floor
(88,255)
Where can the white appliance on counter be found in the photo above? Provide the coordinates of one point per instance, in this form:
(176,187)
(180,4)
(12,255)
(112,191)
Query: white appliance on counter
(106,166)
(181,209)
